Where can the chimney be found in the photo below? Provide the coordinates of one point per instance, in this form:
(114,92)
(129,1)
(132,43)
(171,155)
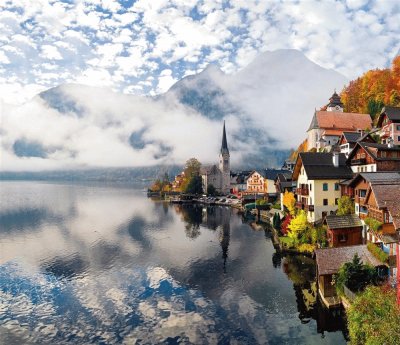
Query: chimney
(335,159)
(390,142)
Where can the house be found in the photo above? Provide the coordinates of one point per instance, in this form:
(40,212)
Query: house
(382,201)
(318,175)
(348,141)
(377,200)
(218,176)
(359,185)
(344,230)
(177,183)
(238,181)
(284,183)
(327,126)
(370,157)
(389,122)
(263,182)
(329,261)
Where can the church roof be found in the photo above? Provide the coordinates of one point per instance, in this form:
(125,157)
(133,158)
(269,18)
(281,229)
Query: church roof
(340,121)
(224,145)
(335,100)
(314,122)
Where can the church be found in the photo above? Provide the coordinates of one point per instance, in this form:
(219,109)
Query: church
(218,176)
(328,125)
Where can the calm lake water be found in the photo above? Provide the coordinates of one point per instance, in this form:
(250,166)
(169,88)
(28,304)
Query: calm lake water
(84,264)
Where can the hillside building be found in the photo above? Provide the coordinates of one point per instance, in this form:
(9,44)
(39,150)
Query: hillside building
(327,126)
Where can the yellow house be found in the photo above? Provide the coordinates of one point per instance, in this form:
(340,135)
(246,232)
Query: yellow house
(317,175)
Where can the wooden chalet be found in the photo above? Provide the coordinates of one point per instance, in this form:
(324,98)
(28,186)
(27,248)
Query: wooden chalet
(389,122)
(348,141)
(329,261)
(344,230)
(371,157)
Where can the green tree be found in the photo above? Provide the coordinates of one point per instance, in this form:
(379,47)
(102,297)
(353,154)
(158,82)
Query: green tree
(345,206)
(374,318)
(195,185)
(276,221)
(211,190)
(192,168)
(355,275)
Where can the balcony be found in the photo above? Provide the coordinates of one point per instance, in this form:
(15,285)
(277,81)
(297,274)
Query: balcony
(302,191)
(361,161)
(305,207)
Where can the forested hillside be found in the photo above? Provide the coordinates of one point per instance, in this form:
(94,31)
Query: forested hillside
(373,90)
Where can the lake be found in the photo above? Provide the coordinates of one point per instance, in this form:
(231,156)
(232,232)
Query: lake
(103,264)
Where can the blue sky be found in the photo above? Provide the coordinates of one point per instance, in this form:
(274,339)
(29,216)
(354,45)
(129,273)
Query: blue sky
(144,46)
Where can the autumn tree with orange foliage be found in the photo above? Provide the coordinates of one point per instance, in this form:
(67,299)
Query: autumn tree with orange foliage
(373,90)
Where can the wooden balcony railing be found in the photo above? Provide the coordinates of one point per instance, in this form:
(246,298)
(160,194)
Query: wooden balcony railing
(302,191)
(361,161)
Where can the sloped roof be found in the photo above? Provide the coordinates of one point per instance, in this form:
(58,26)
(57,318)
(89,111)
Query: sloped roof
(209,170)
(271,174)
(319,165)
(342,121)
(387,195)
(343,222)
(373,148)
(393,113)
(314,122)
(379,176)
(352,137)
(332,132)
(329,260)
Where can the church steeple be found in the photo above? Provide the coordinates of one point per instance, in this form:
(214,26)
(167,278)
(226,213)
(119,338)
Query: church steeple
(335,103)
(224,145)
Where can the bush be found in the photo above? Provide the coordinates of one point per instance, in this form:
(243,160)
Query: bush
(286,242)
(276,206)
(306,248)
(261,202)
(374,318)
(377,252)
(373,223)
(285,223)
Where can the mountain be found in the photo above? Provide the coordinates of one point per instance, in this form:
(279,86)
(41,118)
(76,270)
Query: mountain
(267,107)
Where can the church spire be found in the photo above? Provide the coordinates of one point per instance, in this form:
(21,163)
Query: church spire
(224,146)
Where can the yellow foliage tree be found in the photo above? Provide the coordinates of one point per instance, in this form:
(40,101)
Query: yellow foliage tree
(298,225)
(289,202)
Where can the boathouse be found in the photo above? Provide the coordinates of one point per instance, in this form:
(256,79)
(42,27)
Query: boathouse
(329,261)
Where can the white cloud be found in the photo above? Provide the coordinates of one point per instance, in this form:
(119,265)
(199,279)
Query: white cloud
(50,52)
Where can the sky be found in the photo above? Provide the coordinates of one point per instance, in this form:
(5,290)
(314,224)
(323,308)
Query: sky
(143,47)
(135,49)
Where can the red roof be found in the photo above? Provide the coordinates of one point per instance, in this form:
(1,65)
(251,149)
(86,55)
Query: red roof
(343,121)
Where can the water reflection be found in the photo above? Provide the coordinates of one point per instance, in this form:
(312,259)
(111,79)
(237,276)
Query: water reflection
(107,265)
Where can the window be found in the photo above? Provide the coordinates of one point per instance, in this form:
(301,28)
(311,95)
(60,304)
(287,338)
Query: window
(325,202)
(398,128)
(310,187)
(362,193)
(325,187)
(336,201)
(336,186)
(342,238)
